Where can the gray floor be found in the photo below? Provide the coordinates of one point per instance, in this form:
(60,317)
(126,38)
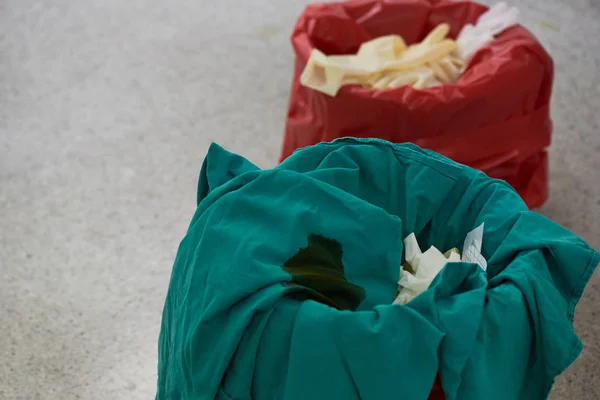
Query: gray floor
(106,110)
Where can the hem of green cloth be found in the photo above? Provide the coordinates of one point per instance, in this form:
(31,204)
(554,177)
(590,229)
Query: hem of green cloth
(426,157)
(576,350)
(575,296)
(583,280)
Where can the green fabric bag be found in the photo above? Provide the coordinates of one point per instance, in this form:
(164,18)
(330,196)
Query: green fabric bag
(282,286)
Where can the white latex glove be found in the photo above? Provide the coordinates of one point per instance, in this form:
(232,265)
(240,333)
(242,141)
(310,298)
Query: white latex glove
(491,23)
(426,266)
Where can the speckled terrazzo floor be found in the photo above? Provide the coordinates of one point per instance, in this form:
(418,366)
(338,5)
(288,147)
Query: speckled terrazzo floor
(106,110)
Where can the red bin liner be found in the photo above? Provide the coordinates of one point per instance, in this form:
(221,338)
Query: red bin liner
(495,118)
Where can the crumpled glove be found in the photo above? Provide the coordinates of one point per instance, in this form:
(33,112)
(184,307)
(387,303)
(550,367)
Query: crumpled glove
(425,265)
(491,23)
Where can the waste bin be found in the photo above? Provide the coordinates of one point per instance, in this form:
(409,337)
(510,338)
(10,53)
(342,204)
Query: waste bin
(495,118)
(282,287)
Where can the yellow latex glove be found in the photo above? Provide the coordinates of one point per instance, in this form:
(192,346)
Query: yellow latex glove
(386,62)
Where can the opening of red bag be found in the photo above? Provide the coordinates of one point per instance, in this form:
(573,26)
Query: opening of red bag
(494,118)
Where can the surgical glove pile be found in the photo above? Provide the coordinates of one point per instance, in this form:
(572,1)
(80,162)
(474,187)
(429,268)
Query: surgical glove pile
(420,269)
(387,62)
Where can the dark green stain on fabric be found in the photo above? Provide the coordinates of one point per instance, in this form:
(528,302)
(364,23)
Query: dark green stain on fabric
(318,274)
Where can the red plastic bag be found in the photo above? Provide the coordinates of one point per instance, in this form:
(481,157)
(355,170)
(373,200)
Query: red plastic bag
(495,118)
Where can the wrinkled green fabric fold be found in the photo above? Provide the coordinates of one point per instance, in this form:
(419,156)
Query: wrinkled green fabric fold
(283,283)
